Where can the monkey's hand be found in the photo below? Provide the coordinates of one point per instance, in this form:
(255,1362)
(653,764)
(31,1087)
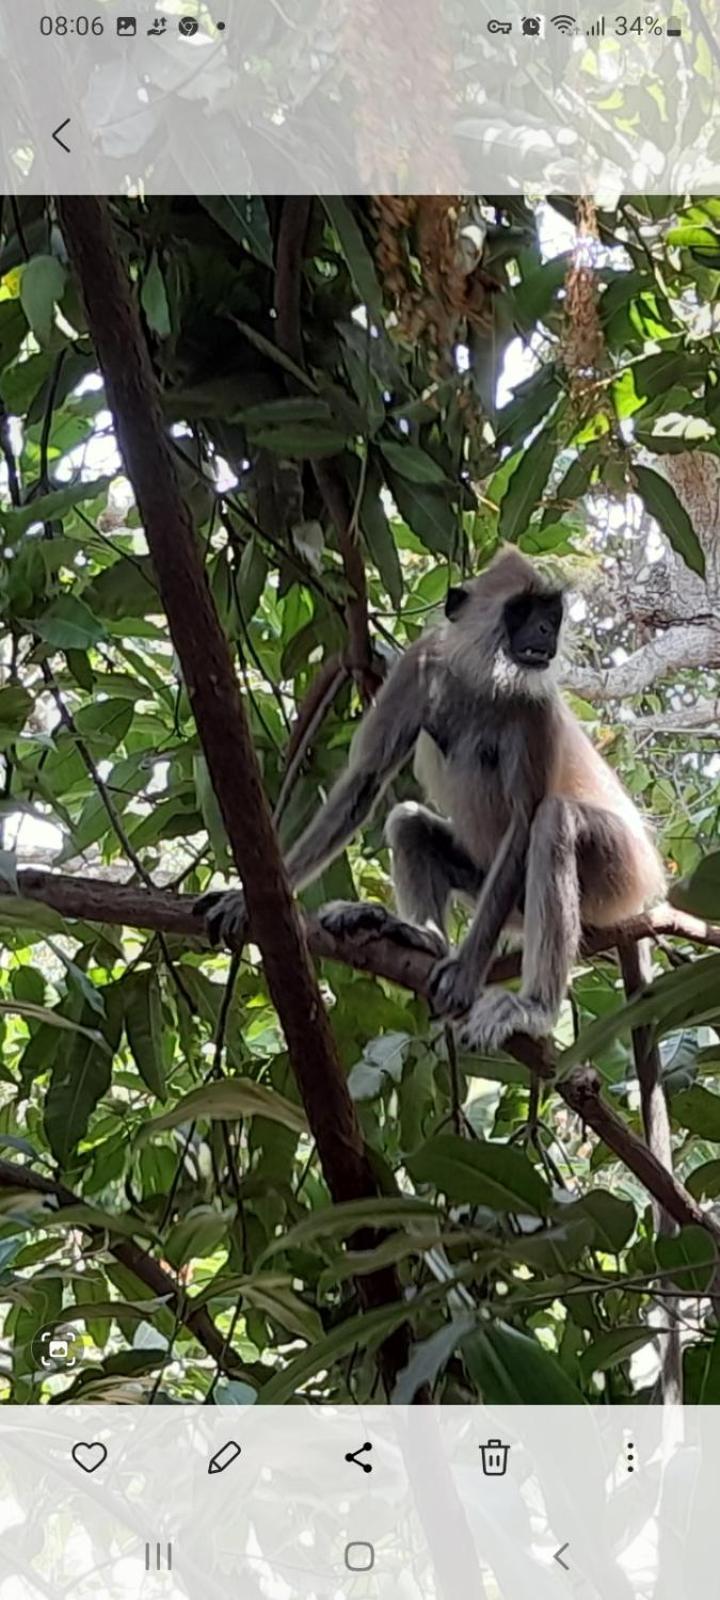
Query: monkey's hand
(225,916)
(347,919)
(453,986)
(499,1013)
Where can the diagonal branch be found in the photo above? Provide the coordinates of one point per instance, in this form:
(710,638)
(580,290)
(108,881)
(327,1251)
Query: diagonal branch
(94,900)
(694,644)
(198,1321)
(636,967)
(161,911)
(134,399)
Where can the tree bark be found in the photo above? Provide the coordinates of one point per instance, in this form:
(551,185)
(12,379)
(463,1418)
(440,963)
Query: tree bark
(636,968)
(94,900)
(133,397)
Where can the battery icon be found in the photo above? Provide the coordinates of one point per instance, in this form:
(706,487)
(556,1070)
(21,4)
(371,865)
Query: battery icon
(674,29)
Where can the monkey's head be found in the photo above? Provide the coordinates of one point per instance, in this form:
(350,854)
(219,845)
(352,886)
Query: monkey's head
(505,627)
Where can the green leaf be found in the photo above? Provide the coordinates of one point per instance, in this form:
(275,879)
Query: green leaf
(512,1369)
(275,1298)
(482,1174)
(429,1357)
(229,1100)
(350,1217)
(104,724)
(662,503)
(301,440)
(245,219)
(144,1028)
(17,912)
(126,589)
(196,1236)
(285,411)
(412,463)
(53,1019)
(154,300)
(42,286)
(690,1255)
(81,1076)
(13,329)
(613,1219)
(530,405)
(691,236)
(698,1110)
(16,704)
(211,813)
(363,1332)
(50,507)
(704,1182)
(378,537)
(617,1345)
(527,484)
(357,255)
(700,893)
(252,572)
(427,511)
(678,997)
(68,624)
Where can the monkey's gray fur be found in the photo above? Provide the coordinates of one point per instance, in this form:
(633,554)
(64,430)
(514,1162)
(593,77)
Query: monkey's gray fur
(533,823)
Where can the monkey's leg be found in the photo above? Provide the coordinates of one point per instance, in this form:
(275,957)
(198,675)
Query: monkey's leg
(428,865)
(552,935)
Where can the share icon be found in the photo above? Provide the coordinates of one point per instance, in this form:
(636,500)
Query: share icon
(365,1466)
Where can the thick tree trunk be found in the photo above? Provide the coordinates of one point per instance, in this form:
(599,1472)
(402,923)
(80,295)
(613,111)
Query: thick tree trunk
(133,398)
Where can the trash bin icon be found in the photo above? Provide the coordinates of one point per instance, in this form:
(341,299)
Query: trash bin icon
(494,1458)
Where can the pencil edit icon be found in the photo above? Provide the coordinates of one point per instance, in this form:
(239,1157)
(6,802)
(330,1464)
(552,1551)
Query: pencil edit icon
(224,1458)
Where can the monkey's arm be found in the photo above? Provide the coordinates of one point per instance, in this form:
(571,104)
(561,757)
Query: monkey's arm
(385,739)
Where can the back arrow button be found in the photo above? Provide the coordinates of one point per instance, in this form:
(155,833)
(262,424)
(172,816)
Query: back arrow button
(56,135)
(558,1556)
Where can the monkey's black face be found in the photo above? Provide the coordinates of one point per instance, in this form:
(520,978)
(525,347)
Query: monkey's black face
(532,623)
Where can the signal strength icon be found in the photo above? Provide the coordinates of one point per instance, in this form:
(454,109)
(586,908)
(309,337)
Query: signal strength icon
(597,30)
(563,23)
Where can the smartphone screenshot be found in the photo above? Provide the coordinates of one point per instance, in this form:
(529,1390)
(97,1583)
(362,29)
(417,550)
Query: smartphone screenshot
(359,800)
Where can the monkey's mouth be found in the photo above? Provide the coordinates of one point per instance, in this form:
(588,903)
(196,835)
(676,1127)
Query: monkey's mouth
(537,659)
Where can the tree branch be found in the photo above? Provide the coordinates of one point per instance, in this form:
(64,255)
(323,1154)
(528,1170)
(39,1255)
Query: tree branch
(294,219)
(134,399)
(636,968)
(93,900)
(198,1322)
(695,644)
(162,911)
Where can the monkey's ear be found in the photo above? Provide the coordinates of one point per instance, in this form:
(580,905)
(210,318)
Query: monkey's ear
(455,601)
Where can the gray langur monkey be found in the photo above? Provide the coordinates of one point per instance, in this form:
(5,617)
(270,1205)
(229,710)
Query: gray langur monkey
(530,821)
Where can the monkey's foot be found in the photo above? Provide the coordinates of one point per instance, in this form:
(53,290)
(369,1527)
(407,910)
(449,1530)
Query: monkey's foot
(452,987)
(499,1013)
(225,916)
(347,918)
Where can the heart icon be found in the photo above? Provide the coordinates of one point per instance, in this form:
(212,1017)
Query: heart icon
(89,1456)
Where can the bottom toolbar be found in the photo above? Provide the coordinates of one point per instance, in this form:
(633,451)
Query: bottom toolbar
(383,1503)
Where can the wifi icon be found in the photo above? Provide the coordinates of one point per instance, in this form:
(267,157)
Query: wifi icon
(563,24)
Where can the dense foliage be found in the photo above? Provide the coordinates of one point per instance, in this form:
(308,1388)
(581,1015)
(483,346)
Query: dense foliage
(534,396)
